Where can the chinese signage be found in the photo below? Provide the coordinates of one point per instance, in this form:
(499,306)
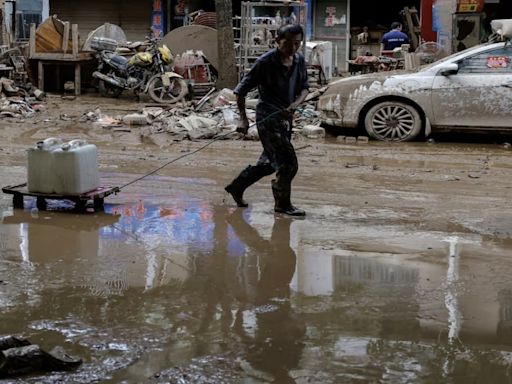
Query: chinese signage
(157,19)
(470,5)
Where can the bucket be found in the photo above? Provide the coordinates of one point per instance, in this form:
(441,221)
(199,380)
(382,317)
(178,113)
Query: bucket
(76,168)
(40,174)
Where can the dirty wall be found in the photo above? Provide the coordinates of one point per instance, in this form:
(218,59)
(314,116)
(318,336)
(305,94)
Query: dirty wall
(134,16)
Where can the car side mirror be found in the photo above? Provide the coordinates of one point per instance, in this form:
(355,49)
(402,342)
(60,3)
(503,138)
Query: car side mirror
(449,69)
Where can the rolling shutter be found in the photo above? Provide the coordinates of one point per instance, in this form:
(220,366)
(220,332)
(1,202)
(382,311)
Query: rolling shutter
(134,16)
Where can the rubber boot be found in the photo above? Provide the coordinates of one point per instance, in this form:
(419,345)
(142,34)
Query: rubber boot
(247,177)
(23,360)
(283,203)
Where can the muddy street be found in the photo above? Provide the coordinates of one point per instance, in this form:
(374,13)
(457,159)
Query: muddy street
(399,273)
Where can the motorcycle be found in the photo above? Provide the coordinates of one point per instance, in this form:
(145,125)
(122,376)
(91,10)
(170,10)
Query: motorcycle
(145,72)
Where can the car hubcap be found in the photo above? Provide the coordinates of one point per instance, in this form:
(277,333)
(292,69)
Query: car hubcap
(393,123)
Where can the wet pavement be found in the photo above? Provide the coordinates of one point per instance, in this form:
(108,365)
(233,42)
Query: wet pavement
(400,273)
(194,292)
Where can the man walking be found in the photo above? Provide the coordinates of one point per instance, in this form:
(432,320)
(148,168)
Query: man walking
(394,38)
(282,81)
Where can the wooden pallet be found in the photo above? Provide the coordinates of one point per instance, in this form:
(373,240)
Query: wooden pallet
(97,196)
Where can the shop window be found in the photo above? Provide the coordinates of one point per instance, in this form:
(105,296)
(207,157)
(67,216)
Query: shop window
(23,21)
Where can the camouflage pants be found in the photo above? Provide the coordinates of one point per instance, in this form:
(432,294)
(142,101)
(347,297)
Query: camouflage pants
(278,152)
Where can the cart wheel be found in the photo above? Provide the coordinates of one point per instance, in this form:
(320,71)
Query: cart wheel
(17,201)
(99,205)
(41,203)
(80,205)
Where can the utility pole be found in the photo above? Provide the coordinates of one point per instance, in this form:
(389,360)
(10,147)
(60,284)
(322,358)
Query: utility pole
(226,44)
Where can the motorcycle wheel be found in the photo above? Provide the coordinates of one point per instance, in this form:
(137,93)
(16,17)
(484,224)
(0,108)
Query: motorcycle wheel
(107,90)
(167,95)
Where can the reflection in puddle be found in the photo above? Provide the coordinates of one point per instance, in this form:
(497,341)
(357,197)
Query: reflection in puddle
(143,285)
(451,300)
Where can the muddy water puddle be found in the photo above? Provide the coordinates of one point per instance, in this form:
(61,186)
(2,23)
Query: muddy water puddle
(193,292)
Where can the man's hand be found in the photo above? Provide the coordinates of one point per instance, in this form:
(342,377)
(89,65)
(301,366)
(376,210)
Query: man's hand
(243,125)
(288,112)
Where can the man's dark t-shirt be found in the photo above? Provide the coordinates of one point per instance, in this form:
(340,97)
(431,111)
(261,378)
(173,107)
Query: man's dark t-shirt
(278,85)
(394,39)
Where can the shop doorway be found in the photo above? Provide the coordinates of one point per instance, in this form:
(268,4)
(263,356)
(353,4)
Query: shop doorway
(377,16)
(492,11)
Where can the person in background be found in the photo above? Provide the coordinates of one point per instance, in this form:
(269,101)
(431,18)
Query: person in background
(282,81)
(394,38)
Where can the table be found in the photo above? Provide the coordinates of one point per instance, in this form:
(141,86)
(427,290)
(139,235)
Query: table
(76,62)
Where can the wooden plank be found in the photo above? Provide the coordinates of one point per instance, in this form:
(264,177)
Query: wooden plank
(82,56)
(32,41)
(49,36)
(65,36)
(74,39)
(78,79)
(40,75)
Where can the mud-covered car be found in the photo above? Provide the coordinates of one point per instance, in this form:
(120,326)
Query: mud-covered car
(469,90)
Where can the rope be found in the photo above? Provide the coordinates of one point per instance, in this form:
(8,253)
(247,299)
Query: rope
(197,150)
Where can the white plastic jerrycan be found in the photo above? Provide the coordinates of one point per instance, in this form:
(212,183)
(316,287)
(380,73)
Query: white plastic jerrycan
(76,168)
(40,166)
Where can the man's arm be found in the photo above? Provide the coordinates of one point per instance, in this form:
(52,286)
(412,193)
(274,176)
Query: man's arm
(299,100)
(243,124)
(383,43)
(304,86)
(250,81)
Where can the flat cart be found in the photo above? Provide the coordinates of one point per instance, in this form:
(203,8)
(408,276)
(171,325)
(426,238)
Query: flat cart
(97,197)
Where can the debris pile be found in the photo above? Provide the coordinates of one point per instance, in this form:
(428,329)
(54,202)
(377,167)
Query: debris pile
(19,101)
(18,98)
(214,116)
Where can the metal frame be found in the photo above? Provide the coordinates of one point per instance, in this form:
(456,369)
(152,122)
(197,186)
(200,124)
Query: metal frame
(248,52)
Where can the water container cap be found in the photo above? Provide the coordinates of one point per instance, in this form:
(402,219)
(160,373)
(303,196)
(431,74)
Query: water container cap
(66,147)
(40,144)
(77,143)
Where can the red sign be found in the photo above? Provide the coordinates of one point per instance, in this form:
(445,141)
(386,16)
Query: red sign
(498,62)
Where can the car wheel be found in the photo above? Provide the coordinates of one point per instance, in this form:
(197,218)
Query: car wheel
(393,121)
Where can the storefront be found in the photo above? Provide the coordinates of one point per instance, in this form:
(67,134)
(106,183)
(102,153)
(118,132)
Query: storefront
(19,14)
(340,21)
(460,24)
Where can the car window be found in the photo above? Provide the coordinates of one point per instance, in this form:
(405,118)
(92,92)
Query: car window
(498,60)
(449,58)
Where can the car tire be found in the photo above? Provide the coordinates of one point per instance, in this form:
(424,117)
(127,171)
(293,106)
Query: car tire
(393,121)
